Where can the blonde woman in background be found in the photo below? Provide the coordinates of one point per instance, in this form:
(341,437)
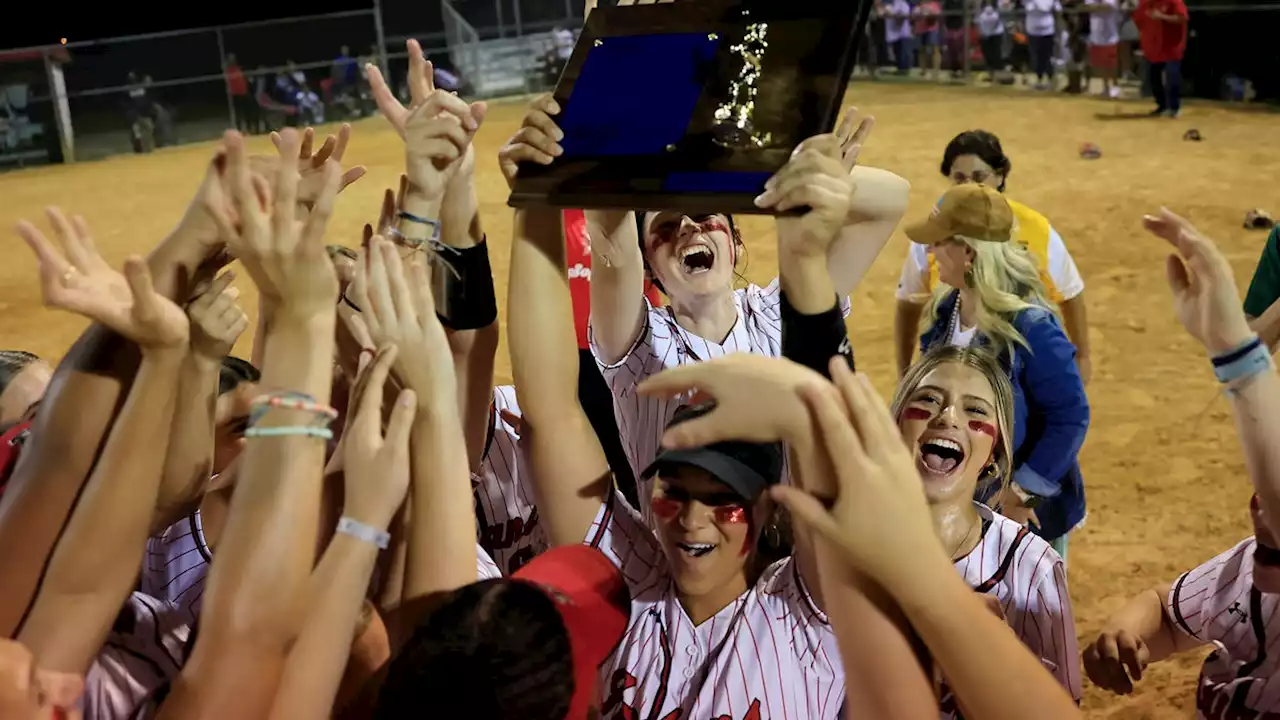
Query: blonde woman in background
(991,295)
(975,156)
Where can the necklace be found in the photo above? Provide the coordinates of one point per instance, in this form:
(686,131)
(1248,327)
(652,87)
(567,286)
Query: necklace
(965,539)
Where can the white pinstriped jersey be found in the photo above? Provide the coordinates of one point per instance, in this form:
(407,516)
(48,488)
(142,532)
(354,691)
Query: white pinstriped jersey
(769,655)
(506,516)
(178,559)
(1028,578)
(1217,604)
(176,564)
(664,344)
(486,569)
(144,652)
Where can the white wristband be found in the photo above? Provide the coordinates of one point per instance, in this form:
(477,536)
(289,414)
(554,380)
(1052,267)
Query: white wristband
(367,533)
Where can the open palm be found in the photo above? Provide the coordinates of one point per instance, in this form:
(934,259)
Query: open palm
(1205,297)
(78,280)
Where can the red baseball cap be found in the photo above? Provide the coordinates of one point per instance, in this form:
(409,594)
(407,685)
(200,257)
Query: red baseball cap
(594,604)
(10,448)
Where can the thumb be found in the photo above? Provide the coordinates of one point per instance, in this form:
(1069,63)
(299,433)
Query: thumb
(139,278)
(1176,272)
(808,510)
(397,434)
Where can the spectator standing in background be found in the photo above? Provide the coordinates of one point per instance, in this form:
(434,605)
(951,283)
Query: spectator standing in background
(953,32)
(928,15)
(1104,42)
(1162,32)
(346,72)
(897,33)
(248,119)
(1042,23)
(991,38)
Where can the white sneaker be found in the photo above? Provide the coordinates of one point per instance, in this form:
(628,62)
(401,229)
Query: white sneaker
(1113,92)
(1173,114)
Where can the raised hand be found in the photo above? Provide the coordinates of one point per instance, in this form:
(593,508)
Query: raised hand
(311,166)
(756,399)
(815,177)
(399,310)
(286,259)
(376,463)
(437,127)
(1205,297)
(879,520)
(537,140)
(392,200)
(1116,660)
(216,320)
(78,280)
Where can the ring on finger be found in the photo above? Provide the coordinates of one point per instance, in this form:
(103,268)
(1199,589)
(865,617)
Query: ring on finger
(70,273)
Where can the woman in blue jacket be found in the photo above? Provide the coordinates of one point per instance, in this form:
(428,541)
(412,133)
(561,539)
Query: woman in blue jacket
(991,294)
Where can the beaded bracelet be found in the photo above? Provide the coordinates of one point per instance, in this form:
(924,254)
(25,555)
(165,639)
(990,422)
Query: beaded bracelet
(291,401)
(323,433)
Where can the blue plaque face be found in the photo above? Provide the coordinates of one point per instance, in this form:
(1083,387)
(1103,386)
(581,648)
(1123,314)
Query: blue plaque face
(694,105)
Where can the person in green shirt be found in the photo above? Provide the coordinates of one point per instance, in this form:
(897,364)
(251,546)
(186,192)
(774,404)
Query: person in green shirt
(1260,303)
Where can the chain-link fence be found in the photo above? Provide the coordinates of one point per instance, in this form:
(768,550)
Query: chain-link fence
(86,100)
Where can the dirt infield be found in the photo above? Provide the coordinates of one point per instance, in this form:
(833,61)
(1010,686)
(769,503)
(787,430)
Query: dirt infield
(1165,481)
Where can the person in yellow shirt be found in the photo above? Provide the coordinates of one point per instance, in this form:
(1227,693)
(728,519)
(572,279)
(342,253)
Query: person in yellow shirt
(976,156)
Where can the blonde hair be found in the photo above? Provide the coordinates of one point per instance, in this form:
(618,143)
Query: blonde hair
(989,366)
(1006,280)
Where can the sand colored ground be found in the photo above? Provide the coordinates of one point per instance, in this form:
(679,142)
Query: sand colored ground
(1166,484)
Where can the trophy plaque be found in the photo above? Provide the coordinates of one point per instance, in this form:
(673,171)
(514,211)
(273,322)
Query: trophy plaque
(693,105)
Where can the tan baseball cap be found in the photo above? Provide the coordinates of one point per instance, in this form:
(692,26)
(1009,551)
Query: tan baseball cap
(972,210)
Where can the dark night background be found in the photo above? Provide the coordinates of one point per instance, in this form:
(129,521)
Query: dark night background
(1224,41)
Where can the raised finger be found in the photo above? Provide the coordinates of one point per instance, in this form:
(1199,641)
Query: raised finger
(144,295)
(318,219)
(417,74)
(85,236)
(340,147)
(211,293)
(322,155)
(308,139)
(399,287)
(388,105)
(443,102)
(66,236)
(379,288)
(45,254)
(864,129)
(243,192)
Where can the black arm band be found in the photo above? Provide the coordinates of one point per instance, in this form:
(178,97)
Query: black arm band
(811,340)
(464,283)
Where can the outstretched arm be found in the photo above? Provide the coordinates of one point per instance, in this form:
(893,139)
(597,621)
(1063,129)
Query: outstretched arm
(570,472)
(96,561)
(81,400)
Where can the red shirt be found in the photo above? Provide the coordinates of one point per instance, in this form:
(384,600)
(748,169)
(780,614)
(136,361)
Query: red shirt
(1161,40)
(236,82)
(578,257)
